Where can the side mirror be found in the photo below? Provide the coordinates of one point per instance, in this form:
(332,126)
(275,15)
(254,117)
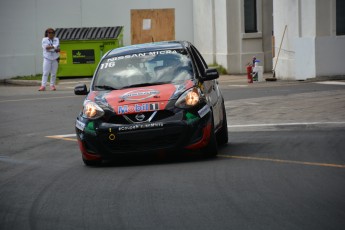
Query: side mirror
(80,89)
(211,74)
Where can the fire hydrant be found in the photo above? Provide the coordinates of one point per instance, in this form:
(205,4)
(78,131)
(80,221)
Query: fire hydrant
(249,73)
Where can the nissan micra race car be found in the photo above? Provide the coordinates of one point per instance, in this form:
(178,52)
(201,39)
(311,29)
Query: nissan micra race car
(151,97)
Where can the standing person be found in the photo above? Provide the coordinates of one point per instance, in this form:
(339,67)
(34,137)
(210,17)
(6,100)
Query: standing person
(51,49)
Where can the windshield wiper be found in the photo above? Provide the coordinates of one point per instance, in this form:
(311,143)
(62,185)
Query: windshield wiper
(106,87)
(146,84)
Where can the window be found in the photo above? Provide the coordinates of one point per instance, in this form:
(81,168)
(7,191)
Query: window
(340,17)
(201,64)
(250,17)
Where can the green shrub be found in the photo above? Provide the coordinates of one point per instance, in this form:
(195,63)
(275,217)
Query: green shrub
(220,68)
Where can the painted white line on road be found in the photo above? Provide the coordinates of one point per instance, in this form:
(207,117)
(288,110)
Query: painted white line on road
(331,82)
(288,124)
(238,85)
(66,135)
(73,82)
(35,99)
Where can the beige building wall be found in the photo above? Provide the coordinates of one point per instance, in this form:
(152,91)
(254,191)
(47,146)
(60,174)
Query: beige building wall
(223,31)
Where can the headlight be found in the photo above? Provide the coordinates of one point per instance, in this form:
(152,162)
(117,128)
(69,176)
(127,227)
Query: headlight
(92,110)
(189,98)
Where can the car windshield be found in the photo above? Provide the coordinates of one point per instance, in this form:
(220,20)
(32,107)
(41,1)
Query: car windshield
(143,69)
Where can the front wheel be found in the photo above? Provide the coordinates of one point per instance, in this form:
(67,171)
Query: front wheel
(222,135)
(92,162)
(211,149)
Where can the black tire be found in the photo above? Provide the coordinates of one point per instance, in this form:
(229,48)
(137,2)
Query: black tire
(211,149)
(222,135)
(92,162)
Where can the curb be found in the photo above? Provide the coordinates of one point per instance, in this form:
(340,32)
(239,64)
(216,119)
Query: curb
(20,82)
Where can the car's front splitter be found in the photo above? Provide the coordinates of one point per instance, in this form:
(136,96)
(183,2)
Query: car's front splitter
(106,140)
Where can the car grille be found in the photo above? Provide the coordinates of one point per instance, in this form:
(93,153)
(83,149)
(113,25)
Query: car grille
(147,140)
(121,119)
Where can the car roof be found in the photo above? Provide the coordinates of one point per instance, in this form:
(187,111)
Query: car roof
(147,47)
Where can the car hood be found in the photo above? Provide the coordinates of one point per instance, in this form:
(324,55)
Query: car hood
(139,99)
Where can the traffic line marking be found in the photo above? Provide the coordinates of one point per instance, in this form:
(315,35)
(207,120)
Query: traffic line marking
(66,137)
(284,161)
(35,99)
(288,124)
(74,82)
(238,85)
(331,82)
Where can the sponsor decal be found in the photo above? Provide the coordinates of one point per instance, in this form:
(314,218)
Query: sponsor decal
(136,108)
(83,56)
(90,128)
(203,111)
(80,125)
(154,53)
(140,94)
(190,117)
(63,57)
(140,126)
(110,63)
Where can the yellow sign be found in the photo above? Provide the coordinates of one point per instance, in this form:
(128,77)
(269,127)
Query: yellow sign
(63,57)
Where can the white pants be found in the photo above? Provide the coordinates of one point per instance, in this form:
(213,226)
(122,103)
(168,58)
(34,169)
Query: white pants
(49,66)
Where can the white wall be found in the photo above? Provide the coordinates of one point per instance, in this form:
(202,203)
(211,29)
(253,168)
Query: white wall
(310,47)
(285,12)
(23,22)
(204,28)
(329,56)
(222,32)
(17,36)
(222,43)
(305,61)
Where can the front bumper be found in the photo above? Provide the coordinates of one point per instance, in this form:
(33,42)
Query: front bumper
(104,140)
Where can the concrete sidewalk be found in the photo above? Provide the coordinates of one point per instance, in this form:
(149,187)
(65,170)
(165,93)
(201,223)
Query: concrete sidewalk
(307,109)
(242,81)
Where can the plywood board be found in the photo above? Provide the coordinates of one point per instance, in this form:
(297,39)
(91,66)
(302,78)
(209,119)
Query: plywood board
(152,25)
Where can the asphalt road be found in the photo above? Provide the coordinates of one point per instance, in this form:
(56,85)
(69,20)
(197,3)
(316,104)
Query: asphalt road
(284,166)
